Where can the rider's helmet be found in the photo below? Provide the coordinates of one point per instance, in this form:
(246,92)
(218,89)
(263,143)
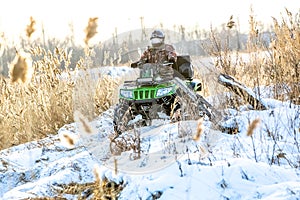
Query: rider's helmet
(157,38)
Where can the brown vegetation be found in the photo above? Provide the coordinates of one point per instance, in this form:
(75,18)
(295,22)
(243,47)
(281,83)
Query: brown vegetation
(275,65)
(32,111)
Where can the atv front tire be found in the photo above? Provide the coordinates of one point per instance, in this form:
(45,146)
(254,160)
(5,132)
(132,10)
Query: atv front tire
(122,115)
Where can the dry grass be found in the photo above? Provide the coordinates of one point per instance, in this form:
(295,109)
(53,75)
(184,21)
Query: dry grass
(33,110)
(34,106)
(279,63)
(101,189)
(284,64)
(106,92)
(276,65)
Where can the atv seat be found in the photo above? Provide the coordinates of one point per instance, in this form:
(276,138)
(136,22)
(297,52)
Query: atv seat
(184,66)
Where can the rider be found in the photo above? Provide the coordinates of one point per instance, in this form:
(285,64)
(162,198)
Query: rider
(159,51)
(162,53)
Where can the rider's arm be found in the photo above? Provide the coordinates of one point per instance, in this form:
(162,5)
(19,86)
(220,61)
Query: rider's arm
(143,59)
(145,56)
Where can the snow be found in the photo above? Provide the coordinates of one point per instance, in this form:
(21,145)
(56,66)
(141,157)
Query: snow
(217,166)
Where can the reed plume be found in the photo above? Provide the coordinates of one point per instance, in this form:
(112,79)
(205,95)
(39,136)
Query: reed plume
(91,29)
(30,27)
(254,124)
(200,129)
(21,68)
(68,140)
(230,24)
(83,123)
(97,174)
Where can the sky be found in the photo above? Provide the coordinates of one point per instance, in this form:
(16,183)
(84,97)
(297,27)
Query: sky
(56,15)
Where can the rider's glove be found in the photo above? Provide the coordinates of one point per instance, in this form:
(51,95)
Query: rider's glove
(136,64)
(172,59)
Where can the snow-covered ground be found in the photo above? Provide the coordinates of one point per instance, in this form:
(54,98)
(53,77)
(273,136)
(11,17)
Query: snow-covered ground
(264,165)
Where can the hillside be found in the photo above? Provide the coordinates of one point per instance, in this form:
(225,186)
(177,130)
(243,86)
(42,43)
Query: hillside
(262,164)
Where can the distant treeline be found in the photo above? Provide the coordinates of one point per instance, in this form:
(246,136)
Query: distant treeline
(125,48)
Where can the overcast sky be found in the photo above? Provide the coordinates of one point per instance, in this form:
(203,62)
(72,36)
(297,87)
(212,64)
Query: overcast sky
(55,15)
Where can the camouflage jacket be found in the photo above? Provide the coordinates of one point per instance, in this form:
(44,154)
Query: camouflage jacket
(166,53)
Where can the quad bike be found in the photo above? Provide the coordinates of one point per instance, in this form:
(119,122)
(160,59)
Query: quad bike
(162,91)
(167,91)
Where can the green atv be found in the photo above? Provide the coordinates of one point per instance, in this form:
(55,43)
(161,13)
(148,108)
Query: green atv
(154,95)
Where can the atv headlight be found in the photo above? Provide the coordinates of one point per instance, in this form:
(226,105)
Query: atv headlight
(163,91)
(126,93)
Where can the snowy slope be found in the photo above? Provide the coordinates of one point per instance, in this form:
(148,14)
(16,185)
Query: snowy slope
(217,166)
